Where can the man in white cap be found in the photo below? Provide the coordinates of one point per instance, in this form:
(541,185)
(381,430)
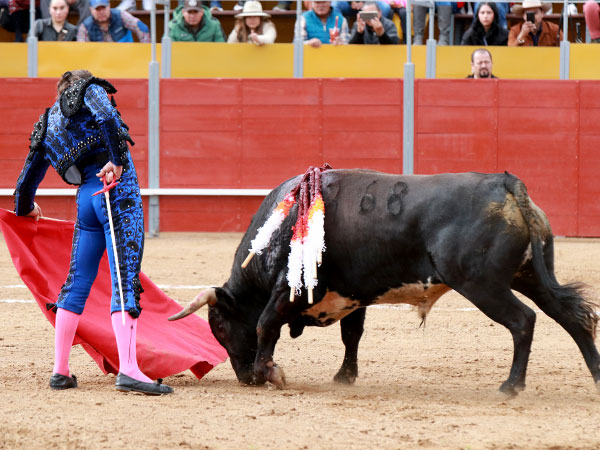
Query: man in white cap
(534,31)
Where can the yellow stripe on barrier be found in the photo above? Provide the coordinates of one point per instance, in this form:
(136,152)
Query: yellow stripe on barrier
(106,59)
(221,60)
(585,62)
(361,61)
(14,59)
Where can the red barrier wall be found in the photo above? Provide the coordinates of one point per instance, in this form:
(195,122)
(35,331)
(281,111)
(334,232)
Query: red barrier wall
(227,133)
(546,132)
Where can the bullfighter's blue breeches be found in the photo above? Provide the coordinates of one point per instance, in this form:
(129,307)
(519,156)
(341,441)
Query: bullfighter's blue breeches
(91,238)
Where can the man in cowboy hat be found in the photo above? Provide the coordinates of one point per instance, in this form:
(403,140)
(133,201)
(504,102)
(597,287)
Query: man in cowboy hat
(534,31)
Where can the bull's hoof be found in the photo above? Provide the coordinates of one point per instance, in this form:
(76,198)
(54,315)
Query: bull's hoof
(345,376)
(275,375)
(511,390)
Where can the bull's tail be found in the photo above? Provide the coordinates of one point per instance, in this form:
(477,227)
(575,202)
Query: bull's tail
(570,296)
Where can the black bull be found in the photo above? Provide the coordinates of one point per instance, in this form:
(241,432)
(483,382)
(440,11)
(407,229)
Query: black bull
(400,239)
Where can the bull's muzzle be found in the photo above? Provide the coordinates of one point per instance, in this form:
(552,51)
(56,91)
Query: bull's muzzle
(207,296)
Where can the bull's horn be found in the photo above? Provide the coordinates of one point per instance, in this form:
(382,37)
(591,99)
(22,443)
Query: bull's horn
(205,297)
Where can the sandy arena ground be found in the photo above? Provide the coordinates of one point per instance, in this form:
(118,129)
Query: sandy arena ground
(432,388)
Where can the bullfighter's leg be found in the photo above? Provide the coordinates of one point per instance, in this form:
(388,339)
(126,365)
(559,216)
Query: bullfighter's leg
(352,329)
(501,305)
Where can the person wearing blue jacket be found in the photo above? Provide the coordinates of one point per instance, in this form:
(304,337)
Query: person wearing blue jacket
(324,25)
(111,25)
(83,137)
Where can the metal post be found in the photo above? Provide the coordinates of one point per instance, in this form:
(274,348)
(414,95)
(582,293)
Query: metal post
(153,131)
(565,49)
(409,102)
(588,38)
(298,43)
(32,44)
(431,46)
(165,57)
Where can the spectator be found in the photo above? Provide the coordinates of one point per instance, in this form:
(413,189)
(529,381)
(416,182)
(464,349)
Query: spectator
(486,29)
(18,19)
(282,6)
(214,5)
(56,27)
(253,25)
(111,25)
(502,11)
(193,22)
(350,9)
(444,12)
(324,25)
(481,64)
(378,30)
(128,5)
(82,6)
(591,10)
(399,7)
(537,33)
(239,6)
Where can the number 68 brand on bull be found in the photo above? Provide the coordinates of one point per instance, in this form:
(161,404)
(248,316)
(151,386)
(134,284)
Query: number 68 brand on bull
(391,239)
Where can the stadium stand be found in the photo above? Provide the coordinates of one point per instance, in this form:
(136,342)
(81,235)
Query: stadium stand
(284,20)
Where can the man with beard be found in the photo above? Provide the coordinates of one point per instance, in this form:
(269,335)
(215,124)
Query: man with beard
(534,31)
(378,30)
(481,64)
(324,25)
(111,25)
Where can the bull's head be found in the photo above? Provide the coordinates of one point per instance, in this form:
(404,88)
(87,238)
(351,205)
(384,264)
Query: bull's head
(234,328)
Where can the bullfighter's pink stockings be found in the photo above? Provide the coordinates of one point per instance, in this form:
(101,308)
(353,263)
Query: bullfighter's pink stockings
(126,336)
(66,326)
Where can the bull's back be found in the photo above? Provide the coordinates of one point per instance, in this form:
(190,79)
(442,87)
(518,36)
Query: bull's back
(396,208)
(397,229)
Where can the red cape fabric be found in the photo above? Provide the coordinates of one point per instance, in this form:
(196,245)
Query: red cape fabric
(41,253)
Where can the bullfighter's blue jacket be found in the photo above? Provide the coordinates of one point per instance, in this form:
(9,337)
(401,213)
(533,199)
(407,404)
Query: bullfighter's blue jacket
(82,122)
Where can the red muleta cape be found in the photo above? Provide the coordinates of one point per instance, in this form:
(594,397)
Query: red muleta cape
(41,253)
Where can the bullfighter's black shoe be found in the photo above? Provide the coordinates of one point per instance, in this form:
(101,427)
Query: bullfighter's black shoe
(128,384)
(60,382)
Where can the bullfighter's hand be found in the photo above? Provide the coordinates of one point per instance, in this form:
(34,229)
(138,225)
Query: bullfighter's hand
(110,171)
(36,212)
